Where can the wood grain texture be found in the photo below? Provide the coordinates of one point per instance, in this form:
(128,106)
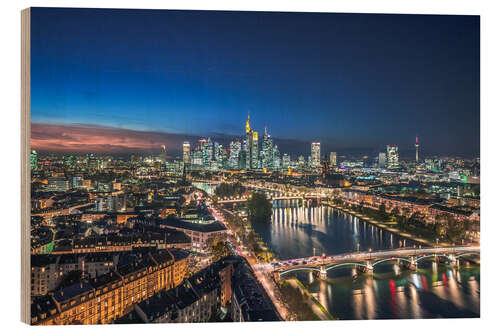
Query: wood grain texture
(25,165)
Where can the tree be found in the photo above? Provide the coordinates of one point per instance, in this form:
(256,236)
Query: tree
(218,247)
(401,222)
(382,214)
(361,206)
(395,212)
(405,212)
(259,208)
(455,229)
(381,209)
(229,190)
(440,229)
(251,241)
(296,301)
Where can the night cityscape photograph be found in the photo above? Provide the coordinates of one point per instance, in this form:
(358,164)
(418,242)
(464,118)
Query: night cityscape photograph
(233,166)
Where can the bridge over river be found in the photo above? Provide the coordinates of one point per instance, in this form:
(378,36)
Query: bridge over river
(367,260)
(275,194)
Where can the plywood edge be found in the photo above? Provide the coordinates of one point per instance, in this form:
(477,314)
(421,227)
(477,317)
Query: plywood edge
(25,165)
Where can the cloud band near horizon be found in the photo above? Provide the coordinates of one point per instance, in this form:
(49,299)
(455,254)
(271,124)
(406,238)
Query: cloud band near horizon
(86,138)
(99,139)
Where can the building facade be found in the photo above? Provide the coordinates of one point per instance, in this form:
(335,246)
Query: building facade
(315,155)
(105,298)
(333,159)
(392,157)
(186,152)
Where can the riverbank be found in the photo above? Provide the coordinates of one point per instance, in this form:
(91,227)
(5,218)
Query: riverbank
(393,230)
(315,305)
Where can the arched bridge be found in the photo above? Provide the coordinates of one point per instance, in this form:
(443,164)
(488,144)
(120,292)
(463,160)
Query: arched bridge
(270,198)
(366,261)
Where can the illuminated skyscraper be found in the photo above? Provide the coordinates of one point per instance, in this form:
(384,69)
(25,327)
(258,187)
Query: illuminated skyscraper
(248,129)
(34,160)
(207,149)
(315,155)
(197,157)
(255,150)
(267,150)
(186,152)
(333,159)
(392,157)
(276,158)
(248,152)
(234,154)
(242,160)
(218,154)
(286,161)
(248,145)
(245,151)
(202,143)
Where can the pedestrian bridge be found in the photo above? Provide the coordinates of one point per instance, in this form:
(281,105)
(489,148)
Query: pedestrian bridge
(270,198)
(366,261)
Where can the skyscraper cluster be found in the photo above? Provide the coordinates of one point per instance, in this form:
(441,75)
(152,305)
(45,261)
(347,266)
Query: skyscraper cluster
(252,152)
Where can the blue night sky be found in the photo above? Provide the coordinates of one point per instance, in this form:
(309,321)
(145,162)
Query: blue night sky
(347,80)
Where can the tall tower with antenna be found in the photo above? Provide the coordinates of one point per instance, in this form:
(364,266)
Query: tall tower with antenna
(248,128)
(248,151)
(416,149)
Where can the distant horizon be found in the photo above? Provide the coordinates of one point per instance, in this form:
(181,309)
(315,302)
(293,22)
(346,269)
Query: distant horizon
(65,139)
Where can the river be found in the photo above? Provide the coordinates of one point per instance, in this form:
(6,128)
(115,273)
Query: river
(434,291)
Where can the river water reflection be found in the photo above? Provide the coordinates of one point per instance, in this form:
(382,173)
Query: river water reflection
(435,291)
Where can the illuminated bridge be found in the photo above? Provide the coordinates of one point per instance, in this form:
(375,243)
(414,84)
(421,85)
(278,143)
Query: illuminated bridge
(278,193)
(366,261)
(270,198)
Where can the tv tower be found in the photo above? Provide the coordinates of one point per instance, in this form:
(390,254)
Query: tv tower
(416,149)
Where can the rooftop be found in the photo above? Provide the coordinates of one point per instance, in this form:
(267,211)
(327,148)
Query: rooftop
(200,227)
(69,292)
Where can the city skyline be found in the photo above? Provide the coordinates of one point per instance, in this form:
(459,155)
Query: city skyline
(255,152)
(328,82)
(68,139)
